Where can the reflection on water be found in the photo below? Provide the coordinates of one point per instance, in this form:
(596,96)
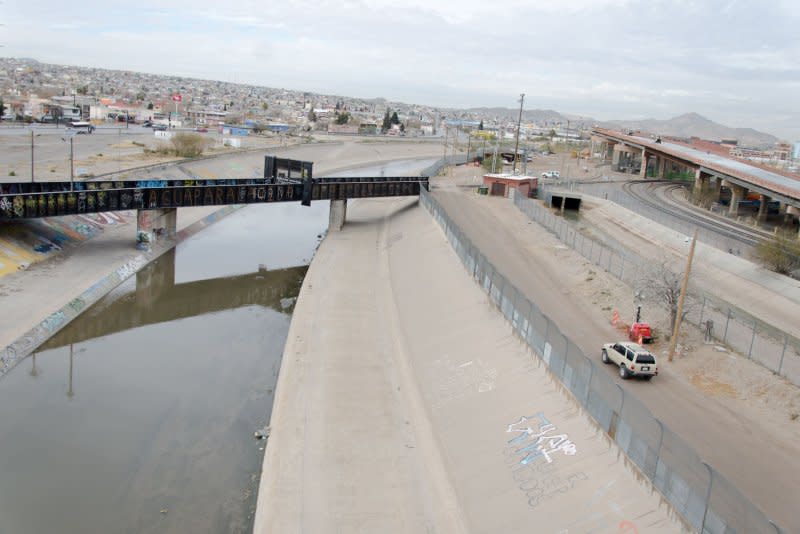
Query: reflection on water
(152,296)
(147,429)
(138,417)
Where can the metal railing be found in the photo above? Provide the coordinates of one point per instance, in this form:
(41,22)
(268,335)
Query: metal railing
(704,498)
(761,342)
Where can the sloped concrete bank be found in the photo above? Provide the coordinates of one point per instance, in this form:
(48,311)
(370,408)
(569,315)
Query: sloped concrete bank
(405,404)
(82,299)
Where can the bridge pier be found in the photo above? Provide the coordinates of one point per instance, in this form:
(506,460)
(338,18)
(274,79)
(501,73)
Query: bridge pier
(338,214)
(155,279)
(700,186)
(717,188)
(643,169)
(762,209)
(737,193)
(152,225)
(791,214)
(661,164)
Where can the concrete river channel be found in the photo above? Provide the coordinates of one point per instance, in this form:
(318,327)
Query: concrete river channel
(140,415)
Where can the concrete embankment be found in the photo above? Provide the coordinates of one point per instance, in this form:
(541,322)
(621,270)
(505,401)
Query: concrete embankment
(46,299)
(405,404)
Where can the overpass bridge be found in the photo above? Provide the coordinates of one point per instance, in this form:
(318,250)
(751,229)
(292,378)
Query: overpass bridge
(284,180)
(713,172)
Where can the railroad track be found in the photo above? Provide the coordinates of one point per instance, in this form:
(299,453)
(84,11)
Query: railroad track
(660,196)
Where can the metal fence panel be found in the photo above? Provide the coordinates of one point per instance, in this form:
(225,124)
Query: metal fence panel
(735,327)
(682,478)
(705,499)
(639,434)
(734,511)
(605,399)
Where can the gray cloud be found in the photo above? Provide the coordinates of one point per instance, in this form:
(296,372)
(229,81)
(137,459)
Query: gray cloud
(732,60)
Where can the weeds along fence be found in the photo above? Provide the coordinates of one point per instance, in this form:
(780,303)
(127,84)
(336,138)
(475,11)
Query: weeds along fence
(706,500)
(761,342)
(684,226)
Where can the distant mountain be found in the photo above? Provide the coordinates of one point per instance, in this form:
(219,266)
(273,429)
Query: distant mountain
(692,124)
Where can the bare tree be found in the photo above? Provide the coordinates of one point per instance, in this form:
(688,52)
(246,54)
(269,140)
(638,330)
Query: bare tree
(661,285)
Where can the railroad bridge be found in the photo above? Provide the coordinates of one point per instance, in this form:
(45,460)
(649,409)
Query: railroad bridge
(157,201)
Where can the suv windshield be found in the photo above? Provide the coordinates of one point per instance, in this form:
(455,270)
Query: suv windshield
(645,358)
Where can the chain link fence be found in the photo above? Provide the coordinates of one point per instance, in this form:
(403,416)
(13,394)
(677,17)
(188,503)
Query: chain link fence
(707,502)
(705,235)
(761,342)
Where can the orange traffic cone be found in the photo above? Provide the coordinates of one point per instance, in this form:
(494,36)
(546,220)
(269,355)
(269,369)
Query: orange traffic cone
(615,318)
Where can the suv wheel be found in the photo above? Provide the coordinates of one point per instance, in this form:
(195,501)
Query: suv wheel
(623,372)
(604,356)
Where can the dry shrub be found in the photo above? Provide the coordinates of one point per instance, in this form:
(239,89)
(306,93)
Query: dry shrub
(188,145)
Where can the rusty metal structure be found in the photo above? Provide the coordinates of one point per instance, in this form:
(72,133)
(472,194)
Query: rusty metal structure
(285,180)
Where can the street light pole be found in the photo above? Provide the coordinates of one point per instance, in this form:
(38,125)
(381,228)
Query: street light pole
(31,156)
(71,164)
(519,122)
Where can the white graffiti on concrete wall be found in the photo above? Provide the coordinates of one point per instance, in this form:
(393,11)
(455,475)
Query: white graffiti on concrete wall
(537,439)
(531,456)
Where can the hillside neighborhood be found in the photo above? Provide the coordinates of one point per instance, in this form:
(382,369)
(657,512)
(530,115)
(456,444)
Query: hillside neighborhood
(37,92)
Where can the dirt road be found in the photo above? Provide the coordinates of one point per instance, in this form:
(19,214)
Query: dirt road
(759,457)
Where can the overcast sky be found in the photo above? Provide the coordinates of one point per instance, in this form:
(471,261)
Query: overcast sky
(735,62)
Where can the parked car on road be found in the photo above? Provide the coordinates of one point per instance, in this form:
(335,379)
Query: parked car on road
(201,129)
(81,127)
(631,358)
(160,127)
(551,174)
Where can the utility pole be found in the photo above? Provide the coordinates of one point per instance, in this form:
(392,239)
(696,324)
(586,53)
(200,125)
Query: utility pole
(31,156)
(674,341)
(71,167)
(444,155)
(519,121)
(469,142)
(494,157)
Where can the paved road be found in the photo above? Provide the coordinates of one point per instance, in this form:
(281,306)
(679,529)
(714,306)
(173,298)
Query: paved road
(764,468)
(405,405)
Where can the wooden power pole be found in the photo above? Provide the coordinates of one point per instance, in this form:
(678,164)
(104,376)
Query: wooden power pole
(674,341)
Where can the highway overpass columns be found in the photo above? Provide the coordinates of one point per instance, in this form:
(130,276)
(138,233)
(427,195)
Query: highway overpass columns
(661,166)
(643,168)
(762,208)
(152,225)
(737,194)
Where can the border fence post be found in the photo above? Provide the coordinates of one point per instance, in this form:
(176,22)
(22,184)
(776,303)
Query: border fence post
(783,353)
(708,497)
(728,320)
(702,309)
(752,339)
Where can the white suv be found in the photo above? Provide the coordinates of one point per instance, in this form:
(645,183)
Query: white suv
(551,174)
(631,358)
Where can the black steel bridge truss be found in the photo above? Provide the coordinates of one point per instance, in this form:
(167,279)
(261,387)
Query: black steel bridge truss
(285,180)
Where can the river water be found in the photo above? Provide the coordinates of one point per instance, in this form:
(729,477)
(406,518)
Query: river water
(139,416)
